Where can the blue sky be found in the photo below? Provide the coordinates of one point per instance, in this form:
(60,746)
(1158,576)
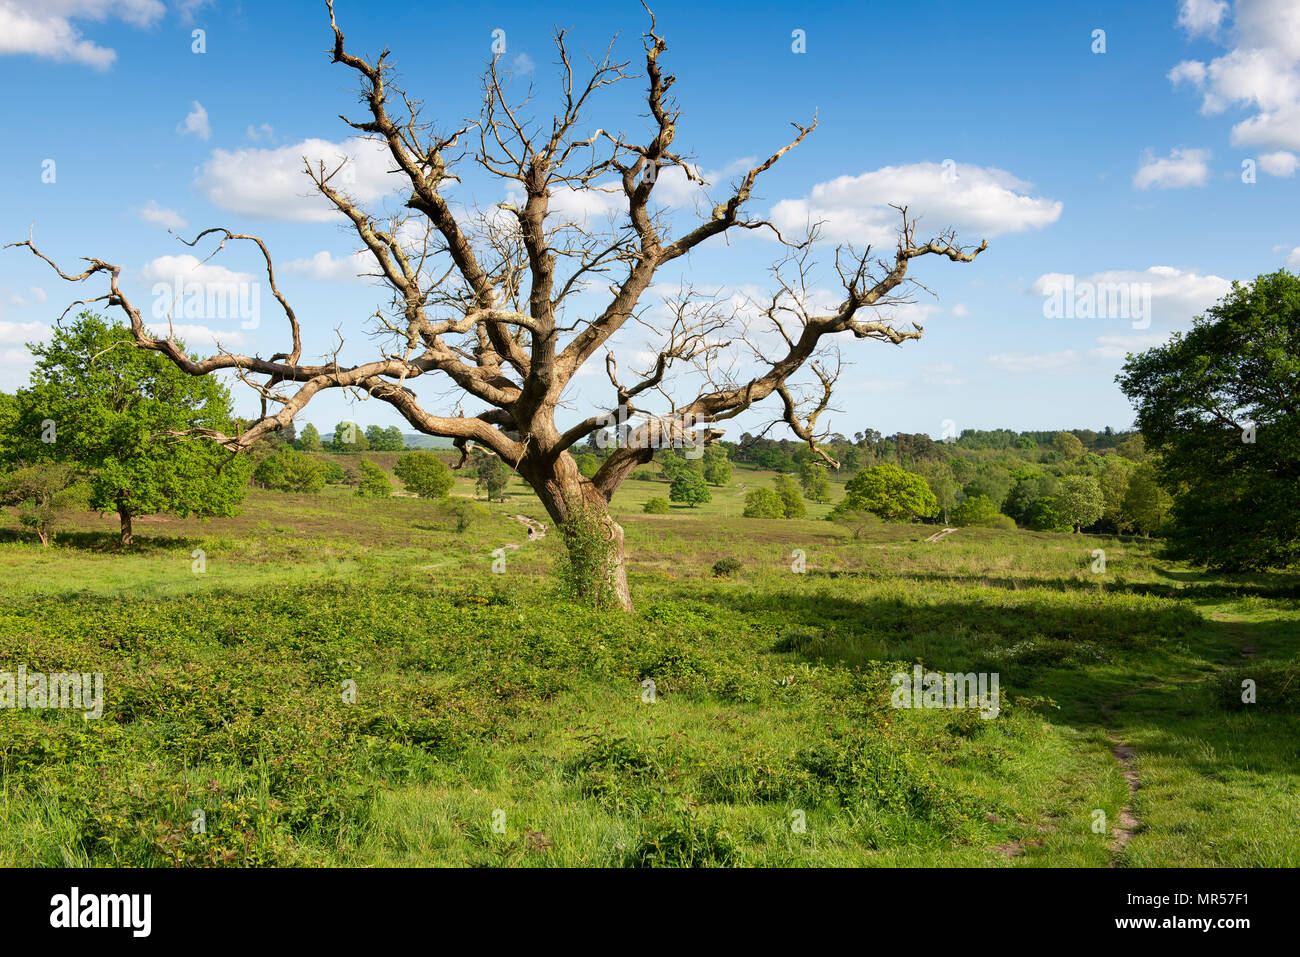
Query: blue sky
(1117,166)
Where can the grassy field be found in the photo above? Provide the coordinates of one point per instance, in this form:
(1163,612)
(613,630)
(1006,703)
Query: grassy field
(495,723)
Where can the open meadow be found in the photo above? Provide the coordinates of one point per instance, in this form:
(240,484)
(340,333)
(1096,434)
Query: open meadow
(335,680)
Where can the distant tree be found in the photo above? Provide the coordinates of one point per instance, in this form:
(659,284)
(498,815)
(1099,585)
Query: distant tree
(1068,445)
(1146,504)
(348,437)
(689,488)
(385,440)
(942,482)
(1079,501)
(42,494)
(1220,404)
(1027,490)
(856,521)
(1113,480)
(334,473)
(588,464)
(309,440)
(131,421)
(1042,516)
(974,510)
(889,492)
(493,477)
(717,467)
(1133,448)
(424,474)
(657,505)
(764,503)
(374,480)
(791,500)
(993,482)
(816,484)
(466,514)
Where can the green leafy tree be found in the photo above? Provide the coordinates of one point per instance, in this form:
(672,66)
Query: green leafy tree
(348,437)
(588,464)
(658,505)
(309,440)
(974,510)
(764,503)
(815,482)
(1220,404)
(118,413)
(689,488)
(1145,503)
(385,440)
(289,471)
(42,494)
(1079,501)
(374,480)
(1042,516)
(1113,479)
(492,477)
(1068,445)
(425,474)
(791,500)
(890,492)
(717,466)
(1134,448)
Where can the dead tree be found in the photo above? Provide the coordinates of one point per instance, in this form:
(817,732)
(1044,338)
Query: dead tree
(484,299)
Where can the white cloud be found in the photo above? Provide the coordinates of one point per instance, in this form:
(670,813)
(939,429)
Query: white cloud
(151,212)
(196,122)
(1293,260)
(1034,362)
(327,268)
(189,269)
(17,333)
(983,200)
(1259,71)
(37,293)
(44,28)
(262,132)
(1180,169)
(960,311)
(1201,17)
(1117,347)
(522,65)
(272,184)
(1176,295)
(1281,163)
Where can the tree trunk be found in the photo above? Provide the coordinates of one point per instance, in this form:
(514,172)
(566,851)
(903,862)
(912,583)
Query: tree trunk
(44,535)
(125,515)
(565,490)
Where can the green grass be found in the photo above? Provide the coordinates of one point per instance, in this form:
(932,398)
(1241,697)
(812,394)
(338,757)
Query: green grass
(486,699)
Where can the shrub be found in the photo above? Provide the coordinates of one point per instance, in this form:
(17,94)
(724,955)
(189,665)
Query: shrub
(656,506)
(858,522)
(792,505)
(645,475)
(373,480)
(290,471)
(975,510)
(1000,521)
(726,567)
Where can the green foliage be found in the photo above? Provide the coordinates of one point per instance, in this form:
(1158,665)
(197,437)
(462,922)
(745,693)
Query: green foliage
(287,470)
(42,494)
(689,488)
(1067,445)
(889,492)
(717,467)
(467,514)
(816,485)
(111,406)
(373,481)
(385,440)
(348,437)
(333,472)
(657,505)
(682,838)
(1079,501)
(1146,504)
(309,439)
(792,505)
(1197,397)
(424,474)
(1042,516)
(859,522)
(764,503)
(493,476)
(976,510)
(726,567)
(588,464)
